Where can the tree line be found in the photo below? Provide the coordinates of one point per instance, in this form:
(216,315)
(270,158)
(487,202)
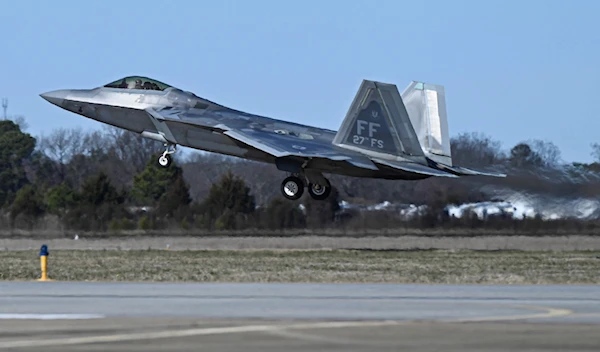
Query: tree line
(109,179)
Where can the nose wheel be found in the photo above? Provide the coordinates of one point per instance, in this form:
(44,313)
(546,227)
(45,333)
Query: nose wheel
(165,159)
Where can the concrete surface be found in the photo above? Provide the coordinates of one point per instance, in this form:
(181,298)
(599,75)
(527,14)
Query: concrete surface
(61,316)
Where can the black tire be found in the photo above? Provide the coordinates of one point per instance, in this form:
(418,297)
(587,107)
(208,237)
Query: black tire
(319,192)
(292,188)
(168,159)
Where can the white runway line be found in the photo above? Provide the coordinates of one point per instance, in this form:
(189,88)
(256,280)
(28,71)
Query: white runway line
(9,316)
(547,312)
(181,333)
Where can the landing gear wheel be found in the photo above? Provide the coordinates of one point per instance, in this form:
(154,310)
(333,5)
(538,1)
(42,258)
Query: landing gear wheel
(319,192)
(165,160)
(292,188)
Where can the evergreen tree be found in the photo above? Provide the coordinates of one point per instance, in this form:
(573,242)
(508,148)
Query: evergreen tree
(153,182)
(321,213)
(175,201)
(227,201)
(27,203)
(283,213)
(15,148)
(522,155)
(42,171)
(97,204)
(60,198)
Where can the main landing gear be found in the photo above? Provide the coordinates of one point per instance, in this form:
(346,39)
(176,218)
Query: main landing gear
(292,188)
(165,159)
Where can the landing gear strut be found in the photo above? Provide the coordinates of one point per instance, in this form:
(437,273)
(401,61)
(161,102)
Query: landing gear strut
(292,188)
(165,159)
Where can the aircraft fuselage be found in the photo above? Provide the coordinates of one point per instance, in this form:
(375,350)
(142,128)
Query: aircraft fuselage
(377,138)
(127,110)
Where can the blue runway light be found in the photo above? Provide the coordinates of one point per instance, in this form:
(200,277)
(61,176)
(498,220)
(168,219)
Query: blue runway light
(44,263)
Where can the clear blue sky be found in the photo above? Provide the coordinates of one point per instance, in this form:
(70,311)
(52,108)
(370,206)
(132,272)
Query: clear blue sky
(513,70)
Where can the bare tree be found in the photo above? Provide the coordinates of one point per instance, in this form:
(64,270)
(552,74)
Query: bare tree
(596,152)
(96,142)
(548,152)
(20,120)
(131,148)
(202,169)
(476,149)
(62,144)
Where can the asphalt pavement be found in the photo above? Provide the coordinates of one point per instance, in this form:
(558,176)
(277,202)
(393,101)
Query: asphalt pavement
(78,316)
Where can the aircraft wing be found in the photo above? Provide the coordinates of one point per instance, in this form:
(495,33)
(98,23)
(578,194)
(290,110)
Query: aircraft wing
(284,145)
(279,143)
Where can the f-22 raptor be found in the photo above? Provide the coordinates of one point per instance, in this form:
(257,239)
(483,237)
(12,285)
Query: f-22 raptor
(384,135)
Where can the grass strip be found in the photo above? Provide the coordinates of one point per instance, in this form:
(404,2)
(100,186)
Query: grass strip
(319,266)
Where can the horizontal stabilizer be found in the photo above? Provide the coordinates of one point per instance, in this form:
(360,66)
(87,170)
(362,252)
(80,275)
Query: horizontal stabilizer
(463,171)
(363,164)
(414,168)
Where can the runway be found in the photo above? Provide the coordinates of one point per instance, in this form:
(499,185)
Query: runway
(297,317)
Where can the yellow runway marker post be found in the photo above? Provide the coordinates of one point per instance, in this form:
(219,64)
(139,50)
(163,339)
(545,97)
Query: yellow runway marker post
(44,263)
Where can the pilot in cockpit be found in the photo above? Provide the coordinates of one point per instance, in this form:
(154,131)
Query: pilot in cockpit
(138,84)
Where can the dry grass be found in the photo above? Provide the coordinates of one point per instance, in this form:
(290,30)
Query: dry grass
(505,231)
(335,266)
(525,243)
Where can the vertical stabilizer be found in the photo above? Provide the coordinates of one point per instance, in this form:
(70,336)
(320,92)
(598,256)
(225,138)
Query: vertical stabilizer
(377,124)
(426,107)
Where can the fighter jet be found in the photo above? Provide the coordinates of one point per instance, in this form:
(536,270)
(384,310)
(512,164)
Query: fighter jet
(384,135)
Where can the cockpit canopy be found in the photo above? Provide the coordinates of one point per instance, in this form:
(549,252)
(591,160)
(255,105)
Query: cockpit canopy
(138,82)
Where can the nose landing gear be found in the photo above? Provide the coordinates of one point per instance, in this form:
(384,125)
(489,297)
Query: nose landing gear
(165,159)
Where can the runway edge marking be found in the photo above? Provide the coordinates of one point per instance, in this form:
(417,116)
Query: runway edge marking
(548,312)
(43,316)
(183,333)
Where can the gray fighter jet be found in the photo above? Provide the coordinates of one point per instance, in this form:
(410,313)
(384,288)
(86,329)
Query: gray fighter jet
(384,134)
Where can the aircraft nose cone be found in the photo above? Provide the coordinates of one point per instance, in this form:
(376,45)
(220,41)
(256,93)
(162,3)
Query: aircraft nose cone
(56,97)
